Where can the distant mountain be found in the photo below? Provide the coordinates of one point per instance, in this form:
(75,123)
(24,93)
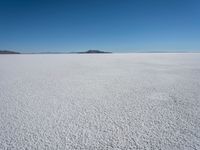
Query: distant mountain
(84,52)
(92,52)
(8,52)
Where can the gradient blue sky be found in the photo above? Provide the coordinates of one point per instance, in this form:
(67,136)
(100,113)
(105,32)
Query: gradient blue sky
(111,25)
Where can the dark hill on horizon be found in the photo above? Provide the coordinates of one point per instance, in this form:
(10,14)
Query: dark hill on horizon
(8,52)
(84,52)
(92,52)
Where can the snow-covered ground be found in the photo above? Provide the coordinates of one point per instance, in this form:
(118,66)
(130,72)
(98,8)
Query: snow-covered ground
(103,101)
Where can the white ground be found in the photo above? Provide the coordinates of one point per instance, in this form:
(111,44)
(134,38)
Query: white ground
(111,101)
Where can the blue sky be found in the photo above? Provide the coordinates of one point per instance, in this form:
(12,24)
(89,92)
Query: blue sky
(110,25)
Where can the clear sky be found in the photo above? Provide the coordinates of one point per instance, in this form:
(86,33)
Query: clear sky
(110,25)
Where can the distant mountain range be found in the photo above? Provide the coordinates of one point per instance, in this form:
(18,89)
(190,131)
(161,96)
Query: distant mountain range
(91,52)
(85,52)
(8,52)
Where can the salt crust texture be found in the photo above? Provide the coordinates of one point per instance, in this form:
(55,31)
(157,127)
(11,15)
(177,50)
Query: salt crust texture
(103,101)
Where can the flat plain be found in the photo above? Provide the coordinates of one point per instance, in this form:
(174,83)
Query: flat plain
(100,101)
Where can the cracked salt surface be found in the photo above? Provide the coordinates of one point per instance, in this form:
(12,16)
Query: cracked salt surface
(108,101)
